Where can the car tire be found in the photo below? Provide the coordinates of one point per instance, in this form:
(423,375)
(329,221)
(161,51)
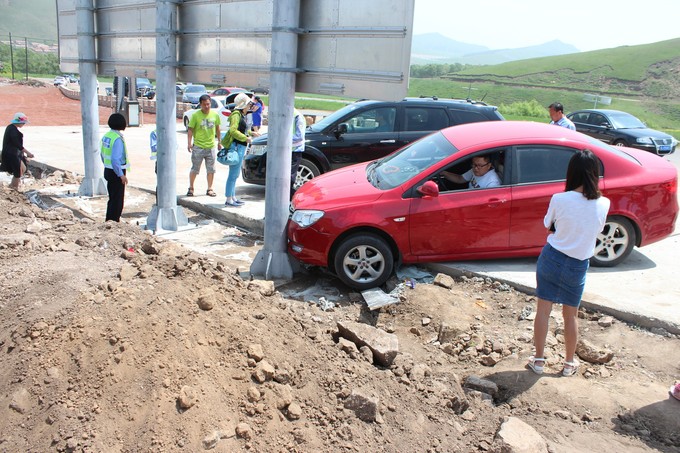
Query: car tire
(186,123)
(306,172)
(363,261)
(620,143)
(614,243)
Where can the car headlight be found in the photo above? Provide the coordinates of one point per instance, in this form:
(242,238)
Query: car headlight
(306,217)
(644,140)
(257,150)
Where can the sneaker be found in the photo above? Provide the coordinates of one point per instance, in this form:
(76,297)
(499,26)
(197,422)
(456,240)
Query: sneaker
(675,391)
(232,204)
(239,202)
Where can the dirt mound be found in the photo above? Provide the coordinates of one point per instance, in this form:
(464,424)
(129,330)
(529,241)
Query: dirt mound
(115,340)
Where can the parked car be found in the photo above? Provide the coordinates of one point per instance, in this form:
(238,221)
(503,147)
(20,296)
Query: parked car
(622,129)
(367,130)
(361,220)
(225,91)
(221,104)
(71,78)
(145,88)
(60,80)
(192,93)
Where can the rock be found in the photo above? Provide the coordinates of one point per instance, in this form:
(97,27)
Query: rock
(127,272)
(206,300)
(20,401)
(210,441)
(348,347)
(150,248)
(364,407)
(253,394)
(490,360)
(483,385)
(590,353)
(263,372)
(283,396)
(244,431)
(419,372)
(255,352)
(458,403)
(187,397)
(425,322)
(449,333)
(367,354)
(294,411)
(264,287)
(515,436)
(445,281)
(385,346)
(605,321)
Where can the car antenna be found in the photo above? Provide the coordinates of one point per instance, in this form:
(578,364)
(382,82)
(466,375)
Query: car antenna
(482,100)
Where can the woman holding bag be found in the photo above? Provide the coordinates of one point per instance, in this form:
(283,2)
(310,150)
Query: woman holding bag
(236,139)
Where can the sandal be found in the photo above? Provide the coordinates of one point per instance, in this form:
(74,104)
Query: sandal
(211,193)
(570,368)
(536,364)
(675,390)
(190,192)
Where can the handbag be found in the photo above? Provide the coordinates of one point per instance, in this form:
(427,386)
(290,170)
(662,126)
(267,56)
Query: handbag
(228,156)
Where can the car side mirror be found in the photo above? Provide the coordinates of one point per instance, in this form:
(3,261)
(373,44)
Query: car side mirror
(429,189)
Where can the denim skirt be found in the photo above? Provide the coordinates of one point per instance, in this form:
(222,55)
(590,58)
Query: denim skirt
(560,278)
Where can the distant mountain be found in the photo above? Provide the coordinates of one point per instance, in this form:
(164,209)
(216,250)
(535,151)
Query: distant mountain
(437,48)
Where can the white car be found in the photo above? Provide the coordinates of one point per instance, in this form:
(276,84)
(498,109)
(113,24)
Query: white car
(60,80)
(217,103)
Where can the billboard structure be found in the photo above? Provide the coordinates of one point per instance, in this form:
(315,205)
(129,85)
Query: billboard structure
(345,47)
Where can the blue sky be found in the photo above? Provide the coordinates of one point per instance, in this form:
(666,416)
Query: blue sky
(585,24)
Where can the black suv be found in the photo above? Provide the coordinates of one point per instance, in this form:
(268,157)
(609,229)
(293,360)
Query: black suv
(367,130)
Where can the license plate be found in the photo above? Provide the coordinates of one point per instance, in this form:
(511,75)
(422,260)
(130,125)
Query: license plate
(665,148)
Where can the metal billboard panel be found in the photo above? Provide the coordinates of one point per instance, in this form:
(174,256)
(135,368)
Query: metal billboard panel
(345,47)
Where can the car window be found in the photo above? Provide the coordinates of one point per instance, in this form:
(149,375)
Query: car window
(213,104)
(581,117)
(598,120)
(372,120)
(421,119)
(465,116)
(411,160)
(536,164)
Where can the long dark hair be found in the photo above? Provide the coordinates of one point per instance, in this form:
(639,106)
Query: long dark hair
(584,170)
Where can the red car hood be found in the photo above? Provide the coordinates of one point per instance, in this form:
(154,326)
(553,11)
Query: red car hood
(337,189)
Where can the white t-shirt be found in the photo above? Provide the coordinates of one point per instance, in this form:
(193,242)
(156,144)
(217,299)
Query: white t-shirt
(488,179)
(578,221)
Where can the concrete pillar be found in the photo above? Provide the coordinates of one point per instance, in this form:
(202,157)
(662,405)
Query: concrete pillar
(93,182)
(272,261)
(166,215)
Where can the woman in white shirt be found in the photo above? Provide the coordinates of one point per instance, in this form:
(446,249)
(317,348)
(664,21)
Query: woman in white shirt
(576,216)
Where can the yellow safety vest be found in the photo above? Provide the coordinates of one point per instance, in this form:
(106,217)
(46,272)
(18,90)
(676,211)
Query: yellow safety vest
(107,149)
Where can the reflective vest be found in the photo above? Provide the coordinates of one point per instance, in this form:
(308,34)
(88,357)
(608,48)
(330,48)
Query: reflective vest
(107,148)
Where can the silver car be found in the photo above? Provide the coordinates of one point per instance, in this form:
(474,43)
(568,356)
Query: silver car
(192,93)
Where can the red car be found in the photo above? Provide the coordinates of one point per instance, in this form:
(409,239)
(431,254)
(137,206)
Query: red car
(226,91)
(360,220)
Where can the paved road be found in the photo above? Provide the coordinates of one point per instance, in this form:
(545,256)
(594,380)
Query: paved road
(644,289)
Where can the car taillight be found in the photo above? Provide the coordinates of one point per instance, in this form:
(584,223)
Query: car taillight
(226,112)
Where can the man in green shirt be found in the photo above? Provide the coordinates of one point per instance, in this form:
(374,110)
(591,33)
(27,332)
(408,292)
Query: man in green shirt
(204,130)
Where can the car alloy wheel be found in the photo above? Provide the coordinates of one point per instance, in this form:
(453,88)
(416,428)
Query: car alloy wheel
(614,243)
(306,171)
(186,123)
(363,261)
(620,143)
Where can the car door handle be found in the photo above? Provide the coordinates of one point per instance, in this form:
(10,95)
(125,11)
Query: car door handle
(496,201)
(388,141)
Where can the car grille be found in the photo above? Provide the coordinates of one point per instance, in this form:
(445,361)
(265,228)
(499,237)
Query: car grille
(663,145)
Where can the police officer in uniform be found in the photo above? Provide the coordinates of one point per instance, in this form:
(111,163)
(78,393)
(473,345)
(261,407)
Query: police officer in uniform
(115,157)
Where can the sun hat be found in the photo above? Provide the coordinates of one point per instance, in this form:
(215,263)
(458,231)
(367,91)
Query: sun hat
(242,100)
(19,118)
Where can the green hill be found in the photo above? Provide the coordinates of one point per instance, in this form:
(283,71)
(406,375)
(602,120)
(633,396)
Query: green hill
(642,80)
(35,20)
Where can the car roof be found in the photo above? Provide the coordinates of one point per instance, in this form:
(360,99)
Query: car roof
(429,100)
(604,111)
(465,135)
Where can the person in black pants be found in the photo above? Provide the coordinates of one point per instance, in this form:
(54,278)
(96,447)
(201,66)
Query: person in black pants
(115,158)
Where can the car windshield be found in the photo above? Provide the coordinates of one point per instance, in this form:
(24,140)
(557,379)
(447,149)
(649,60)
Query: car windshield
(194,89)
(332,118)
(626,121)
(397,168)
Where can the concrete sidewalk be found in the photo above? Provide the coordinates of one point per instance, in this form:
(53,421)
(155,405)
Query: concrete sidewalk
(642,290)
